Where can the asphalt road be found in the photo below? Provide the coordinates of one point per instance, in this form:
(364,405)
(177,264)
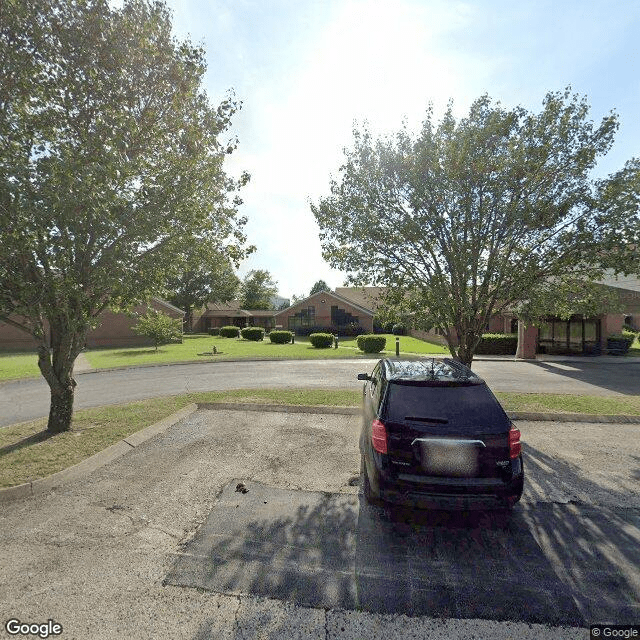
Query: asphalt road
(28,399)
(159,544)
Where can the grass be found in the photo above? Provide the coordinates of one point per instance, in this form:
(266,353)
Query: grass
(27,452)
(564,403)
(232,348)
(14,366)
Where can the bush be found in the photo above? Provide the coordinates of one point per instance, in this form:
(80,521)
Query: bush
(321,340)
(214,331)
(159,327)
(252,333)
(370,343)
(498,344)
(280,337)
(399,329)
(229,332)
(388,327)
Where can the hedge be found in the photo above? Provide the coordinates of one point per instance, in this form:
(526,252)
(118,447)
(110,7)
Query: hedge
(214,331)
(252,333)
(497,344)
(280,337)
(229,332)
(399,329)
(370,343)
(321,340)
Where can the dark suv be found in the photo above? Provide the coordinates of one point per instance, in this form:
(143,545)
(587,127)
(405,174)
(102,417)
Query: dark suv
(434,436)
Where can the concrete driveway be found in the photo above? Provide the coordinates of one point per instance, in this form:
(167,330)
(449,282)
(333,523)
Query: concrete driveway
(159,543)
(28,399)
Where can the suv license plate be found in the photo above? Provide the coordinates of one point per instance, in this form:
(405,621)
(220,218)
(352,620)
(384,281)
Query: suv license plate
(455,459)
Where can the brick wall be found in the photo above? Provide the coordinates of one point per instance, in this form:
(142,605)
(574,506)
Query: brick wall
(323,302)
(115,330)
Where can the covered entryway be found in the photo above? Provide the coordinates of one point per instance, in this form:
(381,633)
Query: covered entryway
(578,335)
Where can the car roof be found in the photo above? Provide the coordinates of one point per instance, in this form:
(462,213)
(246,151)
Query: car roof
(428,370)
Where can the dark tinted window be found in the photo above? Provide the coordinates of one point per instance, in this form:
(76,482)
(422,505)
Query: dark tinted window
(472,405)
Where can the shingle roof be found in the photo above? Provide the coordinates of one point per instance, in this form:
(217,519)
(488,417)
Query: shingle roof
(362,296)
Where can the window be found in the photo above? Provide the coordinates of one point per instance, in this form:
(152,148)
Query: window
(304,318)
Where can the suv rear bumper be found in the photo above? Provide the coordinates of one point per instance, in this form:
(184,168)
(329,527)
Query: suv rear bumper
(425,492)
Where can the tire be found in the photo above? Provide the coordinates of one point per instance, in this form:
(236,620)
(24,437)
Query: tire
(366,485)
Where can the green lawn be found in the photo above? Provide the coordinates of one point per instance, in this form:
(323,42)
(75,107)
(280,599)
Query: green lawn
(18,365)
(198,347)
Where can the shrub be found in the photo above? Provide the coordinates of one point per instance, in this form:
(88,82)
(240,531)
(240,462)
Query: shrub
(252,333)
(370,343)
(159,327)
(214,331)
(229,332)
(388,327)
(321,340)
(399,329)
(498,344)
(280,337)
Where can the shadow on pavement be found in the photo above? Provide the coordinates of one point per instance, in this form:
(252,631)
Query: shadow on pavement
(547,563)
(620,379)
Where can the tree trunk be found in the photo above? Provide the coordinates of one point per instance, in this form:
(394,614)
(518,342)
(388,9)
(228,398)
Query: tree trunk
(188,319)
(61,410)
(56,365)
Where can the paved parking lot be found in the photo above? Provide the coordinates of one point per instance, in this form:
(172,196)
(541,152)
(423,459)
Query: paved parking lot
(119,553)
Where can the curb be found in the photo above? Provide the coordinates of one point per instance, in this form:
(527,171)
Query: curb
(111,453)
(279,408)
(573,417)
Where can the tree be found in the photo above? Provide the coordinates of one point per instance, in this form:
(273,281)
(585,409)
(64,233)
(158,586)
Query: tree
(207,276)
(257,289)
(474,216)
(159,327)
(321,285)
(111,163)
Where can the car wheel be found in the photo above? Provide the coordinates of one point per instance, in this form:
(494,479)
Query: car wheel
(366,485)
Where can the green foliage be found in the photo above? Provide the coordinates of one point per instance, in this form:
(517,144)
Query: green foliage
(159,327)
(473,216)
(206,275)
(111,164)
(371,343)
(230,332)
(399,329)
(320,285)
(257,289)
(214,331)
(252,333)
(498,344)
(321,340)
(280,337)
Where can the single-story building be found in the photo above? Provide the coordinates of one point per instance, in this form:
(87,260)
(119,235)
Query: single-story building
(223,314)
(328,310)
(114,330)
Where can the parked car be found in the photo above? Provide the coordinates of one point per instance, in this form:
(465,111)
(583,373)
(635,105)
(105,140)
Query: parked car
(435,436)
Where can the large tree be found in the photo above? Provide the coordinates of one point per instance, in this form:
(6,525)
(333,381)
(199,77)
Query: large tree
(257,289)
(474,216)
(111,162)
(319,286)
(206,275)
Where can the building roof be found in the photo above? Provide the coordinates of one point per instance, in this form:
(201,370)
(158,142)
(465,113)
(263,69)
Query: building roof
(366,297)
(231,309)
(168,305)
(337,296)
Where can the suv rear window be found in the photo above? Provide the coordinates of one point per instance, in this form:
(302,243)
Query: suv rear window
(472,405)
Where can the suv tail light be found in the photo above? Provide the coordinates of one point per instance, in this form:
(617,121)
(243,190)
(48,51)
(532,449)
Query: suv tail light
(379,436)
(515,447)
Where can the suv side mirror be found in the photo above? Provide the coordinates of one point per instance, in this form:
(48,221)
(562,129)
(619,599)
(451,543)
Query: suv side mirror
(364,376)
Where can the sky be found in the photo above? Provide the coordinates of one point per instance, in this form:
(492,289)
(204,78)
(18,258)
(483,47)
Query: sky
(307,71)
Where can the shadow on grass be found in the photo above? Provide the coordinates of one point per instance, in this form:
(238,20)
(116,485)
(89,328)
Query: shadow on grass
(35,438)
